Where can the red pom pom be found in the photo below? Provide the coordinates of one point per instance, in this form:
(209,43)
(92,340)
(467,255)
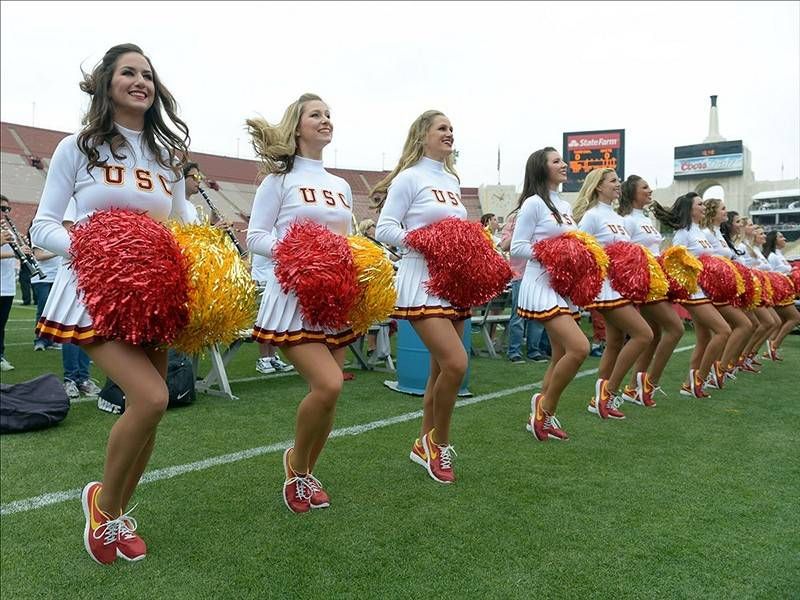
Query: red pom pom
(795,277)
(766,287)
(628,270)
(132,277)
(782,288)
(717,279)
(316,264)
(747,299)
(572,268)
(463,265)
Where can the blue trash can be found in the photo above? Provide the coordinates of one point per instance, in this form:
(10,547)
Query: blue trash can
(414,360)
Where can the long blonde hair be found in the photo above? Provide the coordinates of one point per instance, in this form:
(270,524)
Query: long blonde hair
(413,151)
(710,209)
(276,145)
(587,197)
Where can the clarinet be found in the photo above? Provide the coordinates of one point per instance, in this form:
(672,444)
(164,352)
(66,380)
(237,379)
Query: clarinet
(27,260)
(218,216)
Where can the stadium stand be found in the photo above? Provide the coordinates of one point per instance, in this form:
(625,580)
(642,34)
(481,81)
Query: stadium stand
(232,182)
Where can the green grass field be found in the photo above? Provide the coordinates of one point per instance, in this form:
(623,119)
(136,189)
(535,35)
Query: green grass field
(692,499)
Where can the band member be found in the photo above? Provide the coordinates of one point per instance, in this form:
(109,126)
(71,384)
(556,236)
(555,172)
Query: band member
(422,189)
(667,327)
(297,187)
(543,215)
(593,210)
(126,156)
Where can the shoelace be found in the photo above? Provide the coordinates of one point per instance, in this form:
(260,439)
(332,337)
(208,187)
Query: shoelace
(658,389)
(125,530)
(303,488)
(314,483)
(551,422)
(445,452)
(614,402)
(108,531)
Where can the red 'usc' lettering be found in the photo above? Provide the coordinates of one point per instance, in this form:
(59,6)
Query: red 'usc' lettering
(309,195)
(143,180)
(164,185)
(343,200)
(439,195)
(329,199)
(114,174)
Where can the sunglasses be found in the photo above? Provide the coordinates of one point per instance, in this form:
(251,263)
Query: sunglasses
(197,176)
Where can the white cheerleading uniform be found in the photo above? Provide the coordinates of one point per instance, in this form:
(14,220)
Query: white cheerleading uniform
(697,244)
(778,263)
(307,192)
(607,227)
(420,195)
(643,232)
(136,182)
(535,222)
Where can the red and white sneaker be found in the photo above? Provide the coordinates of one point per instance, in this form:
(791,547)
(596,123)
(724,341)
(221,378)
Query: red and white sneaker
(754,360)
(772,352)
(716,377)
(642,394)
(543,425)
(297,489)
(604,404)
(439,459)
(319,497)
(695,386)
(747,366)
(129,545)
(418,454)
(101,532)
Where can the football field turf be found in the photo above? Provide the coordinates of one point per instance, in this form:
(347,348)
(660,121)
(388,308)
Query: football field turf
(694,498)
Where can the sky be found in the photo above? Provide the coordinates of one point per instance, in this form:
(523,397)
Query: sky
(513,75)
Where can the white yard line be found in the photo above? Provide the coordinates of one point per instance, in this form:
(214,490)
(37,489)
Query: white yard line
(43,500)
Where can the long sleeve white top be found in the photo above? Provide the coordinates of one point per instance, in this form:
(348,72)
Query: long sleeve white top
(307,192)
(420,195)
(604,224)
(778,262)
(694,239)
(535,222)
(135,182)
(642,231)
(720,246)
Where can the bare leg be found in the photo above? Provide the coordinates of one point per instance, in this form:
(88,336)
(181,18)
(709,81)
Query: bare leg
(706,317)
(442,338)
(338,356)
(570,349)
(741,330)
(790,318)
(317,366)
(133,435)
(665,320)
(626,320)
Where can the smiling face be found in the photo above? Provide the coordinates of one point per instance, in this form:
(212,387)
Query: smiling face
(439,139)
(780,241)
(609,188)
(556,169)
(722,214)
(698,210)
(643,195)
(315,130)
(736,225)
(132,89)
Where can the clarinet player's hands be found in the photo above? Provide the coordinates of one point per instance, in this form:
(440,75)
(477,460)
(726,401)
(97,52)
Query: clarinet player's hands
(5,236)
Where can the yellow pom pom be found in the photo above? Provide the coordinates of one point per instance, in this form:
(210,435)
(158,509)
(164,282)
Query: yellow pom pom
(375,274)
(658,281)
(756,291)
(683,267)
(222,296)
(736,274)
(600,256)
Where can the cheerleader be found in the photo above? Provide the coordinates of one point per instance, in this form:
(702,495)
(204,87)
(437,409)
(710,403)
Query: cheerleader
(773,243)
(741,328)
(596,217)
(422,189)
(760,319)
(712,332)
(126,156)
(543,215)
(663,320)
(297,187)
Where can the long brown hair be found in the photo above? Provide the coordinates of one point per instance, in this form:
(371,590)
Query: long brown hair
(98,122)
(536,181)
(628,194)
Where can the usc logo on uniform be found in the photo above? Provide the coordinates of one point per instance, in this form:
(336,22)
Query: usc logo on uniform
(442,196)
(617,229)
(115,175)
(310,196)
(649,229)
(565,219)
